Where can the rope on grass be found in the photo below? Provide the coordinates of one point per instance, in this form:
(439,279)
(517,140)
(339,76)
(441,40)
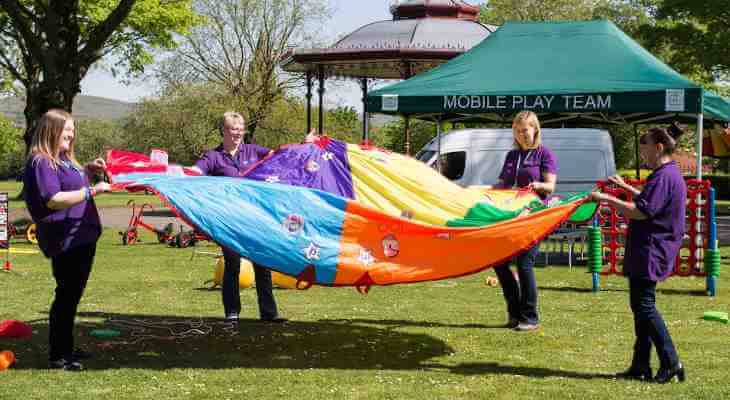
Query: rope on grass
(141,330)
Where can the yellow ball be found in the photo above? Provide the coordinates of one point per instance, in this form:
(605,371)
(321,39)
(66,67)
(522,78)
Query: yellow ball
(283,281)
(245,278)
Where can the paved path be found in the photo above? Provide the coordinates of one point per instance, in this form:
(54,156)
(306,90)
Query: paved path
(118,217)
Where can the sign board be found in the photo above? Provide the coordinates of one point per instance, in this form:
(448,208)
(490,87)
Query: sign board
(675,100)
(4,227)
(390,102)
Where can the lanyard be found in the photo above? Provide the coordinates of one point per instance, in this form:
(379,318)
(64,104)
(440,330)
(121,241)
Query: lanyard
(519,164)
(234,159)
(70,165)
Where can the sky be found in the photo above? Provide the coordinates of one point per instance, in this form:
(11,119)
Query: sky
(348,16)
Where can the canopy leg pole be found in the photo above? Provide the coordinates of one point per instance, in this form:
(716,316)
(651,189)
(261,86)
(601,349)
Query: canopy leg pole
(309,101)
(700,128)
(636,152)
(438,145)
(698,215)
(364,86)
(407,133)
(320,127)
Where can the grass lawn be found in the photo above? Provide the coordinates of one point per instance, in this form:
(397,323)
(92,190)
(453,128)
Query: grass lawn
(723,207)
(437,340)
(116,199)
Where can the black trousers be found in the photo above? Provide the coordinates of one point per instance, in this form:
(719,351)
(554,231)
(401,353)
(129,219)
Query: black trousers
(231,294)
(71,270)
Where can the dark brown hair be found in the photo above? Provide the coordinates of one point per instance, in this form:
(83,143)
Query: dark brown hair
(668,137)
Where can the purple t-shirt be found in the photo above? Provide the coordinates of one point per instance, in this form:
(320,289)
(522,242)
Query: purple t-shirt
(217,162)
(652,244)
(59,230)
(522,167)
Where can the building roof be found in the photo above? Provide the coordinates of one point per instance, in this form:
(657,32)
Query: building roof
(421,35)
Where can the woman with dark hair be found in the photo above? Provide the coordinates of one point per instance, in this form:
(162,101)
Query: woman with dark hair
(60,200)
(656,229)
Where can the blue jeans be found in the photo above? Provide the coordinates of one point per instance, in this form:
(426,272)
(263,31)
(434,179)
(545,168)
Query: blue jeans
(231,294)
(649,327)
(521,296)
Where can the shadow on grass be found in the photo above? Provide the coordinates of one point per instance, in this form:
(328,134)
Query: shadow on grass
(159,342)
(681,292)
(578,289)
(398,323)
(492,368)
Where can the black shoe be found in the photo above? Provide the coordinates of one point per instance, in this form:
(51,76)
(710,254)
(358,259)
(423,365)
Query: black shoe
(232,319)
(275,320)
(66,365)
(511,323)
(635,374)
(665,375)
(79,354)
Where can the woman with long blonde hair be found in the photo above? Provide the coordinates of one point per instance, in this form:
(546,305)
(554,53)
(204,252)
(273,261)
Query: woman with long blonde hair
(60,199)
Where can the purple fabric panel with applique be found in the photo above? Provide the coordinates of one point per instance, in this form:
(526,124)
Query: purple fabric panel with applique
(322,165)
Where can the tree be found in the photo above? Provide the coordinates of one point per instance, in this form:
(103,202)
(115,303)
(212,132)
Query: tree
(698,34)
(11,161)
(240,46)
(500,11)
(49,46)
(182,121)
(98,136)
(394,139)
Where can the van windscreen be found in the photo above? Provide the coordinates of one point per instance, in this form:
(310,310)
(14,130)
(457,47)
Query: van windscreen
(425,155)
(453,164)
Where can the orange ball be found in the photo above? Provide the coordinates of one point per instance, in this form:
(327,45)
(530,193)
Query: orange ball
(7,358)
(491,281)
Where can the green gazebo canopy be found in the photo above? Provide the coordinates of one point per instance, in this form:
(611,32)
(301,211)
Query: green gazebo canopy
(589,71)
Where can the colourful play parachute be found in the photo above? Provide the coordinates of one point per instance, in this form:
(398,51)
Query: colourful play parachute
(337,214)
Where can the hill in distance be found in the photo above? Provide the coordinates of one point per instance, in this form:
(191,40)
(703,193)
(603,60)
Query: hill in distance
(92,107)
(85,107)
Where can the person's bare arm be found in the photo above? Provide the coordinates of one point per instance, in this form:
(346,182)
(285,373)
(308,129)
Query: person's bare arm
(64,200)
(547,187)
(618,181)
(627,208)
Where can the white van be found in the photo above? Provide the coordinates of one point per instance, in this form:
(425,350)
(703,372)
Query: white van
(475,156)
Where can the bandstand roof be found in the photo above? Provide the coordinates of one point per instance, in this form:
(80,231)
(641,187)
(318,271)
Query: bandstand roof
(422,34)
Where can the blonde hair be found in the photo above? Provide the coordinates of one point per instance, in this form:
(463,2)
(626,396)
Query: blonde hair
(47,138)
(530,118)
(228,116)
